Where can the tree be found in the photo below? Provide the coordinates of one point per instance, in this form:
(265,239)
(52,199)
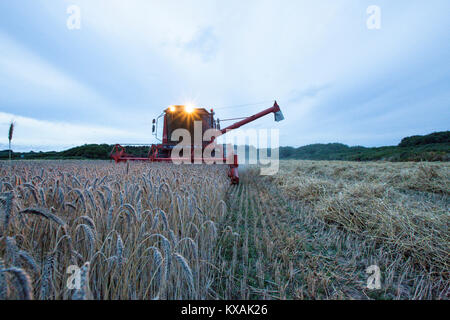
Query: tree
(10,136)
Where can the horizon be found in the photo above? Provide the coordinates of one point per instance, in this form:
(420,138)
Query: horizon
(335,79)
(236,145)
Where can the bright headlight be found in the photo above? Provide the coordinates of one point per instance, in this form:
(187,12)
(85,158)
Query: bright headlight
(189,108)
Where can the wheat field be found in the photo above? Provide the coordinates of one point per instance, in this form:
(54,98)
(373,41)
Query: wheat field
(161,231)
(140,231)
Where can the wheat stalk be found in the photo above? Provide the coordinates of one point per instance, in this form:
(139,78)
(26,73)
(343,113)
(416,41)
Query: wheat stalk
(3,283)
(45,214)
(83,292)
(10,136)
(23,282)
(187,272)
(47,275)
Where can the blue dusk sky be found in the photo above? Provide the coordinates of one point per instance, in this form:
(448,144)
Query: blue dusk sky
(335,79)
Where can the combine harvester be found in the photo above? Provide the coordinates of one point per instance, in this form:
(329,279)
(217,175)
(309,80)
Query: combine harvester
(184,117)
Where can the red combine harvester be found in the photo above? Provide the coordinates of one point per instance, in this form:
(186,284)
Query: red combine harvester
(185,117)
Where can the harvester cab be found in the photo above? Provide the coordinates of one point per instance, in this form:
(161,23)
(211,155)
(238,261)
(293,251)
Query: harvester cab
(191,120)
(182,117)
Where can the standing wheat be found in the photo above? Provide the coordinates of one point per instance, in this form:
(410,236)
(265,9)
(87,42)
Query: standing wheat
(11,250)
(47,275)
(119,250)
(187,271)
(10,136)
(23,283)
(3,283)
(7,202)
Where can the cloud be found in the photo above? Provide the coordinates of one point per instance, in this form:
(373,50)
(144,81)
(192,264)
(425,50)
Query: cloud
(34,134)
(333,78)
(205,43)
(32,86)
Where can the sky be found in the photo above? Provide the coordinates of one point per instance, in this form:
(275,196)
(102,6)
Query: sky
(335,79)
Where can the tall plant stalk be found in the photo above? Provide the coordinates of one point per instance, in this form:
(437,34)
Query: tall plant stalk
(10,136)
